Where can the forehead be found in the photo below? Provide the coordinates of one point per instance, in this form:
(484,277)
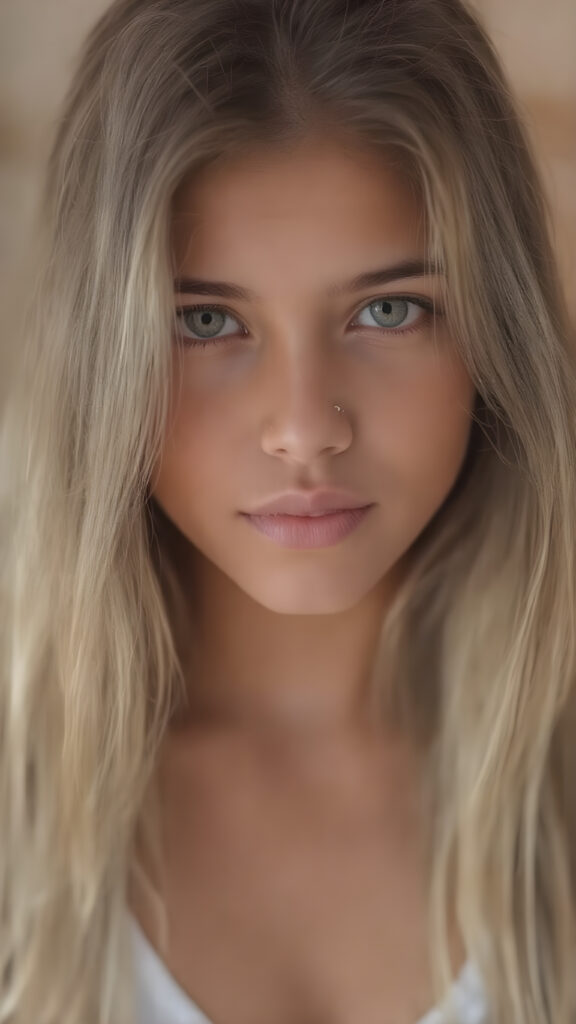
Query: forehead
(318,174)
(319,194)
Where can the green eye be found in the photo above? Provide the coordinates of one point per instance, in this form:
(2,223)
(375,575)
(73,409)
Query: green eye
(204,321)
(203,324)
(391,312)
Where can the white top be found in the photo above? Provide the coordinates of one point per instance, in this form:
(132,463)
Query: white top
(161,1000)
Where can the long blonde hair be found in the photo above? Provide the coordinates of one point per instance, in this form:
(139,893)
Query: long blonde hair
(483,628)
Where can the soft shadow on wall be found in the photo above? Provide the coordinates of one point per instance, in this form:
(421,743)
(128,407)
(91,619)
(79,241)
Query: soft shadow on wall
(38,43)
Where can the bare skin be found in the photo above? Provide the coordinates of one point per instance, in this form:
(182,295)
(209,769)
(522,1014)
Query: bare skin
(293,827)
(295,880)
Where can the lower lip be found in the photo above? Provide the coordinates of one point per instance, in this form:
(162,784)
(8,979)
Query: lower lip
(309,531)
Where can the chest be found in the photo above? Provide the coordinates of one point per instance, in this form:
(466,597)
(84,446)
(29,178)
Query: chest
(295,903)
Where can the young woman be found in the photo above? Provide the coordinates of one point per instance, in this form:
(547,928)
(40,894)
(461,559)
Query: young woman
(287,705)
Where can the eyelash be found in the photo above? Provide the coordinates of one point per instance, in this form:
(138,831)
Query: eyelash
(426,304)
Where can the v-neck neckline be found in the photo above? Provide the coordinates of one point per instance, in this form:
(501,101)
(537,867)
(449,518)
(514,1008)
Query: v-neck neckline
(466,986)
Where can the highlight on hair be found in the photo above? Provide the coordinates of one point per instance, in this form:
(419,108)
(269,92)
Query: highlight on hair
(482,630)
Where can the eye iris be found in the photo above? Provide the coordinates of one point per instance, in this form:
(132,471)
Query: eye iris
(198,319)
(212,321)
(386,305)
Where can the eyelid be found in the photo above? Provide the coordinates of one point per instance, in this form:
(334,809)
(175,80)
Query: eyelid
(366,302)
(199,306)
(426,303)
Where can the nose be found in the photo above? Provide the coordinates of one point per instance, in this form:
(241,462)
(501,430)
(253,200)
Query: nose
(305,423)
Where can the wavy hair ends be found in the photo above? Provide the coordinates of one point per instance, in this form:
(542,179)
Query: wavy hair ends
(482,631)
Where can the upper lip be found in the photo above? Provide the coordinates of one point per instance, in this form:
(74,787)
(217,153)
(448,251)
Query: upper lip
(305,503)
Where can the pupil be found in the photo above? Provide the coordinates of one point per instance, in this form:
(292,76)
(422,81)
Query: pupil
(206,317)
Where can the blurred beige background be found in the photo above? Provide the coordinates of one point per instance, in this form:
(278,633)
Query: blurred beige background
(38,42)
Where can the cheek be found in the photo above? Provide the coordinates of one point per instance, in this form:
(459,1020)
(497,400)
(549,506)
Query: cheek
(188,457)
(185,464)
(426,423)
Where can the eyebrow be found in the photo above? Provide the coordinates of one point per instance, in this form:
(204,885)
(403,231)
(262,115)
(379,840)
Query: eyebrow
(406,268)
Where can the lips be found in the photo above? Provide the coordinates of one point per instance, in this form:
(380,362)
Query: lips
(309,503)
(309,531)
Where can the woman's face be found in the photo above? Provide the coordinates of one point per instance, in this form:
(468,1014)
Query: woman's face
(253,411)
